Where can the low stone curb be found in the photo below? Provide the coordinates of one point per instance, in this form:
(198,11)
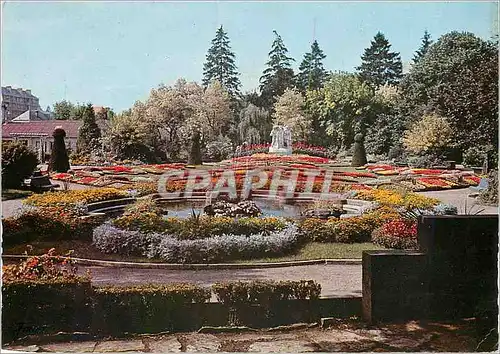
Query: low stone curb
(221,266)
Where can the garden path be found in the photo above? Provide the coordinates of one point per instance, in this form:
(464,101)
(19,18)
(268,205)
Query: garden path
(458,198)
(335,279)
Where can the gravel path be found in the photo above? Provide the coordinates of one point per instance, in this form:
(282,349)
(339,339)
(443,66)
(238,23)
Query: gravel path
(335,279)
(460,199)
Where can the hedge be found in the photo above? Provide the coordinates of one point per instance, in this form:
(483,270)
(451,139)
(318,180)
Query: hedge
(36,307)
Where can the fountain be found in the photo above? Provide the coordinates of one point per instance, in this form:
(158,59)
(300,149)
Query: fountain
(282,140)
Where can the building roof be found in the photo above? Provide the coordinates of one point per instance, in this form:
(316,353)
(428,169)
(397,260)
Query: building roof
(40,128)
(19,92)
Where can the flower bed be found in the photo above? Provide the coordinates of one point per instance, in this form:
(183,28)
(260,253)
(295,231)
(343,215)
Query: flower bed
(398,233)
(171,249)
(71,197)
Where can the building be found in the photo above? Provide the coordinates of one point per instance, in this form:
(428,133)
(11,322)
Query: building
(37,134)
(16,101)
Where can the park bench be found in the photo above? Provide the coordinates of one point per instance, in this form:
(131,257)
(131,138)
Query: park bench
(41,183)
(483,185)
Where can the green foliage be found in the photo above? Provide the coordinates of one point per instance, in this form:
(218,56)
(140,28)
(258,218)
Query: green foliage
(457,79)
(89,134)
(219,65)
(424,47)
(278,75)
(59,160)
(265,293)
(379,65)
(342,108)
(18,163)
(255,124)
(63,110)
(311,74)
(129,138)
(359,154)
(197,228)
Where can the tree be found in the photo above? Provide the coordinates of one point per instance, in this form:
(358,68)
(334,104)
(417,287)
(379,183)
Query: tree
(457,79)
(278,75)
(129,137)
(311,72)
(379,65)
(342,108)
(63,110)
(289,111)
(59,160)
(211,114)
(89,134)
(430,135)
(78,112)
(424,47)
(220,66)
(255,124)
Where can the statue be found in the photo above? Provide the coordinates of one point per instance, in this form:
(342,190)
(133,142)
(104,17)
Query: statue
(281,140)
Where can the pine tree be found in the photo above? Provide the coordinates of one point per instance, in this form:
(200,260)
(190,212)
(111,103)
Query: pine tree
(219,65)
(426,43)
(311,72)
(379,65)
(89,134)
(279,75)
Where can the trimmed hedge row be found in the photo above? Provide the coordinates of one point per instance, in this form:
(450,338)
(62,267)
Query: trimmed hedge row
(35,307)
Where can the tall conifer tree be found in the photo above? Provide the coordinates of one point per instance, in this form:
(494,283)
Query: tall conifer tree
(220,66)
(311,72)
(379,65)
(424,47)
(278,75)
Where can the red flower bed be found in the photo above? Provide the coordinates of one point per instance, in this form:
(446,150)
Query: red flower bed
(433,182)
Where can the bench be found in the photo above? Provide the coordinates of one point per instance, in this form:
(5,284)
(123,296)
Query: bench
(483,185)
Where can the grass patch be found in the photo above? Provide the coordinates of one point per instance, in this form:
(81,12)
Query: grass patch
(314,250)
(8,194)
(318,250)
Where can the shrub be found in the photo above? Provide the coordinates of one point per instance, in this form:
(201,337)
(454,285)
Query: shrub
(18,163)
(396,199)
(72,197)
(47,223)
(219,149)
(265,292)
(167,247)
(146,308)
(399,233)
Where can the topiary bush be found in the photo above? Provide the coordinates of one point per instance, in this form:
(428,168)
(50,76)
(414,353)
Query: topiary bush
(18,163)
(359,154)
(59,160)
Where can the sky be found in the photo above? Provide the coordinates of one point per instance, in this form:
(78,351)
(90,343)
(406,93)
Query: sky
(113,53)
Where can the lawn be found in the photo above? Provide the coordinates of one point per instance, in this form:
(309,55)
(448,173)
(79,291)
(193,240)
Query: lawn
(314,250)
